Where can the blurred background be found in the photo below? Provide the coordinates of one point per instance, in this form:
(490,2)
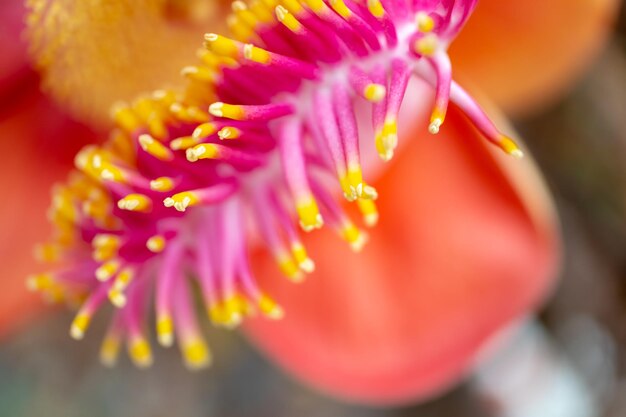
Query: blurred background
(580,145)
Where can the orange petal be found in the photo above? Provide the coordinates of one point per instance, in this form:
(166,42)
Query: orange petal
(466,244)
(523,54)
(29,163)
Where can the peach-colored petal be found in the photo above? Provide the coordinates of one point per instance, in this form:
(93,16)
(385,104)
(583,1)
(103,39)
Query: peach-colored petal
(523,54)
(464,246)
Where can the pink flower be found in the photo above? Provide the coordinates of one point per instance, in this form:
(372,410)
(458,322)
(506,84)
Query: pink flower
(281,136)
(293,129)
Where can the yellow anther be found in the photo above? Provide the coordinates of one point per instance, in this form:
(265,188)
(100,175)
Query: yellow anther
(369,211)
(117,298)
(124,278)
(39,282)
(270,308)
(196,353)
(436,120)
(135,202)
(116,293)
(79,325)
(124,117)
(427,45)
(182,200)
(424,22)
(155,148)
(196,114)
(240,30)
(349,192)
(162,184)
(120,143)
(289,267)
(376,8)
(387,139)
(233,311)
(63,203)
(374,92)
(204,130)
(309,213)
(165,330)
(201,74)
(229,133)
(109,350)
(157,126)
(340,7)
(509,146)
(156,244)
(355,237)
(188,114)
(354,187)
(270,4)
(288,20)
(47,252)
(202,151)
(110,172)
(164,97)
(107,270)
(221,45)
(104,254)
(261,12)
(95,210)
(140,352)
(316,6)
(216,313)
(151,111)
(230,111)
(293,6)
(255,54)
(106,240)
(143,107)
(302,258)
(208,58)
(183,143)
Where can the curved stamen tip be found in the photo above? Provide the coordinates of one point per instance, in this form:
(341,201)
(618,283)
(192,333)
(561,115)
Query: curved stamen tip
(109,351)
(307,265)
(371,220)
(216,109)
(197,355)
(509,146)
(359,243)
(297,277)
(166,339)
(435,126)
(76,332)
(517,154)
(375,92)
(165,333)
(180,203)
(386,156)
(424,22)
(117,298)
(366,191)
(308,227)
(79,326)
(140,353)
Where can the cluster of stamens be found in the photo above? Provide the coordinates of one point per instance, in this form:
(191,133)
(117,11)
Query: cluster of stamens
(264,130)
